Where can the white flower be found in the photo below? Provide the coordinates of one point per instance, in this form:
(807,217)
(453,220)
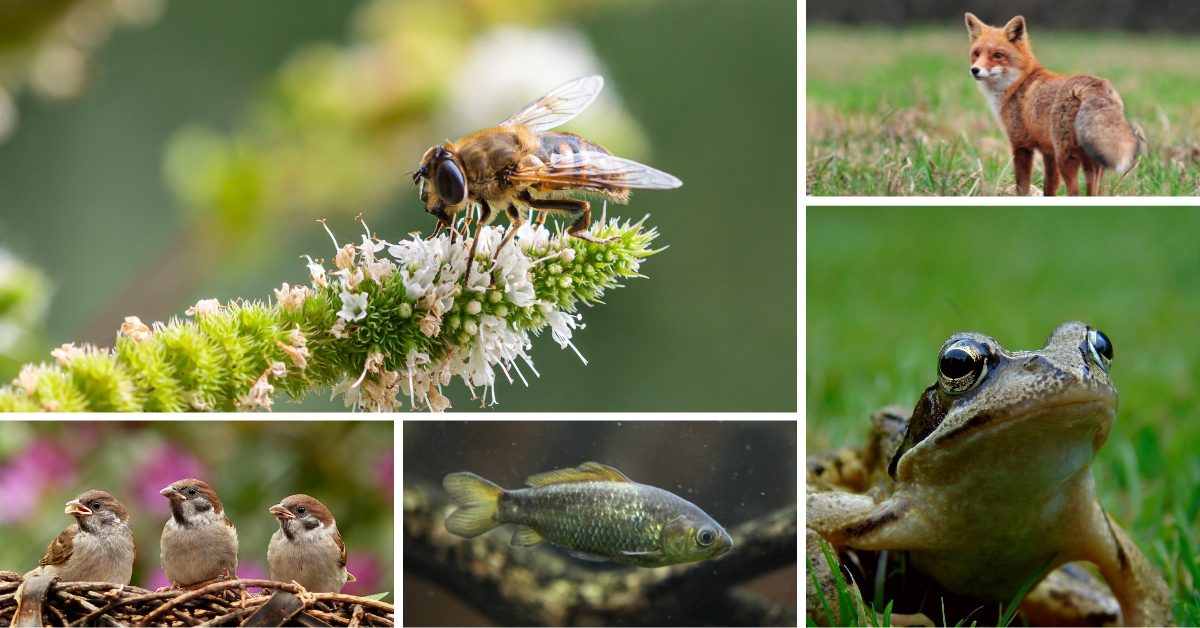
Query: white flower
(259,395)
(298,349)
(67,353)
(204,307)
(291,297)
(561,326)
(317,272)
(344,259)
(354,306)
(27,379)
(134,329)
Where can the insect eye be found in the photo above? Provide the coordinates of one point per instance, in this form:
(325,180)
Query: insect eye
(997,55)
(192,491)
(961,366)
(301,510)
(1100,347)
(705,537)
(449,182)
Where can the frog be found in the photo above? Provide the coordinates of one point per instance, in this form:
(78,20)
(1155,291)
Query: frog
(985,488)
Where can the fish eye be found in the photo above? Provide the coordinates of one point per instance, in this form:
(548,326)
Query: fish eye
(448,181)
(705,537)
(961,366)
(1100,347)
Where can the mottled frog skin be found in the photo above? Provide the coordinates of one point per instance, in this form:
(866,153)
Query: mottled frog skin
(988,484)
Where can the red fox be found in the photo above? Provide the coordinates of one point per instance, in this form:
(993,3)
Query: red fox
(1071,120)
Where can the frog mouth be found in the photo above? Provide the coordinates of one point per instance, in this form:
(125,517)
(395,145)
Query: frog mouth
(1098,409)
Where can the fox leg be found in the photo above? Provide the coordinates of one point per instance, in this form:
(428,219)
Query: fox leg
(1092,171)
(1070,172)
(1050,181)
(1023,167)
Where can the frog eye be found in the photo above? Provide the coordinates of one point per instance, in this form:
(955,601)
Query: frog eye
(705,537)
(962,366)
(1100,347)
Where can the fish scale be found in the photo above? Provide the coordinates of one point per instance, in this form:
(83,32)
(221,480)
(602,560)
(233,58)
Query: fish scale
(593,511)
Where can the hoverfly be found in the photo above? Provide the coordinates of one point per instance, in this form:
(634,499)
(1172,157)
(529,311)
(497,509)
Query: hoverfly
(520,165)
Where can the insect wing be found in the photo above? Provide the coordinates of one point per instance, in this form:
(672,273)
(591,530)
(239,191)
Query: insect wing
(559,106)
(596,170)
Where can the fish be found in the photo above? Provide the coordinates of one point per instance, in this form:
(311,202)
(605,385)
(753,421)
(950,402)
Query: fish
(594,512)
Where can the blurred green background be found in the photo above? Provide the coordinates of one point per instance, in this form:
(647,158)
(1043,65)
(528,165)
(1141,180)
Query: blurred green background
(206,142)
(347,465)
(887,285)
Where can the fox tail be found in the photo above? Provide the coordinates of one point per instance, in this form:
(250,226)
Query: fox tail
(1106,136)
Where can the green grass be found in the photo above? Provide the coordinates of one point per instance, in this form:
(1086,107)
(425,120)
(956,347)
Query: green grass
(887,285)
(895,112)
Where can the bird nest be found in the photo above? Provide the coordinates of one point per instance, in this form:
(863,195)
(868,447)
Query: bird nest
(40,601)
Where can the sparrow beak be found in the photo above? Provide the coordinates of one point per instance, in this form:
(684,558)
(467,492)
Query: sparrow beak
(171,494)
(75,508)
(280,512)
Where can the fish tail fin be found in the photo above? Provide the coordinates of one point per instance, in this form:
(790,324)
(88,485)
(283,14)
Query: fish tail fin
(478,501)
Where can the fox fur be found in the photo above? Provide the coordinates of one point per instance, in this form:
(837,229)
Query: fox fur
(1072,120)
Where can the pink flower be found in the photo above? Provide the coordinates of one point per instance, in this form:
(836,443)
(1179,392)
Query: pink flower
(165,465)
(385,472)
(368,574)
(42,464)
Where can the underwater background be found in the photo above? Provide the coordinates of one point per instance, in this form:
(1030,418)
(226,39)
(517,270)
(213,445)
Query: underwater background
(736,471)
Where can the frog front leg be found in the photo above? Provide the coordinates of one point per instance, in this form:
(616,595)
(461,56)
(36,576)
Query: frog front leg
(1144,597)
(834,519)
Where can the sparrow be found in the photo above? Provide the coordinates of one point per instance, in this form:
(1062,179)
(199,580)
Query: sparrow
(307,548)
(98,547)
(199,542)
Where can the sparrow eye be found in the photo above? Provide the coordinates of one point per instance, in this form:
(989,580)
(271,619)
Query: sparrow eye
(192,491)
(301,510)
(95,505)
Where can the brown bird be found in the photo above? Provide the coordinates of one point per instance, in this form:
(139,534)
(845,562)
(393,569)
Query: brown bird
(199,542)
(307,548)
(98,547)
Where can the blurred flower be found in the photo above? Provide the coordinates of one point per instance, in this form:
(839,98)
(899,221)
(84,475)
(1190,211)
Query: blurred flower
(165,465)
(368,574)
(252,570)
(25,478)
(24,293)
(156,580)
(385,476)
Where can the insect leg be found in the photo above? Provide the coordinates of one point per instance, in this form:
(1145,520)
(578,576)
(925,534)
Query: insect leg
(580,210)
(485,216)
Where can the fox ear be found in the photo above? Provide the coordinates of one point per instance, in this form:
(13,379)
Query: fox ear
(974,26)
(1015,29)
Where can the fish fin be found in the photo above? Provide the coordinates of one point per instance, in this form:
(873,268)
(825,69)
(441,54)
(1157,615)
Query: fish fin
(596,558)
(525,536)
(477,500)
(656,552)
(586,472)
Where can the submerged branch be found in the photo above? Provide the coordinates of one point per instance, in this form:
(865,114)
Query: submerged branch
(544,587)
